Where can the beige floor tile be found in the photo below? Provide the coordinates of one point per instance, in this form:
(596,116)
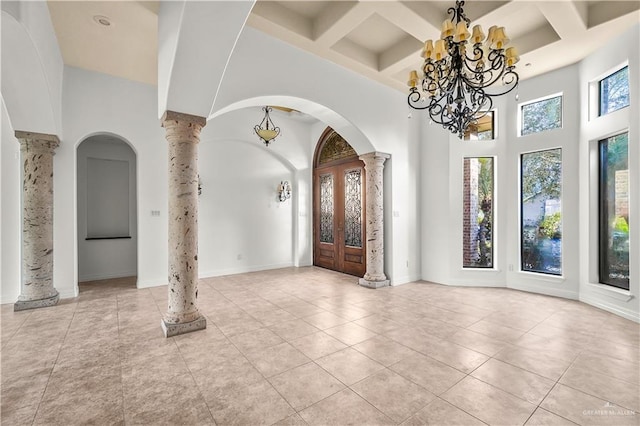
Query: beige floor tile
(305,385)
(254,404)
(440,412)
(92,350)
(377,323)
(603,386)
(350,333)
(553,347)
(256,340)
(290,330)
(429,373)
(514,380)
(344,408)
(274,316)
(454,355)
(542,417)
(496,331)
(487,403)
(276,359)
(585,409)
(534,361)
(317,345)
(478,342)
(392,394)
(627,371)
(155,400)
(349,366)
(384,350)
(325,320)
(218,375)
(294,420)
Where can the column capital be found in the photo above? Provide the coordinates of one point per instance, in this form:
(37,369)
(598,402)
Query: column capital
(182,118)
(376,156)
(37,141)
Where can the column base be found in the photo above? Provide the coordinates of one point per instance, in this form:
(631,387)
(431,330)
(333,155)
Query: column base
(373,284)
(23,305)
(171,330)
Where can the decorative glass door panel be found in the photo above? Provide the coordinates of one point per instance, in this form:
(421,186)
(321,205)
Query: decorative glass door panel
(326,208)
(353,208)
(338,208)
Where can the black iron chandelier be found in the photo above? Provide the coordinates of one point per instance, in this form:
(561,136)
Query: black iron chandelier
(266,130)
(458,68)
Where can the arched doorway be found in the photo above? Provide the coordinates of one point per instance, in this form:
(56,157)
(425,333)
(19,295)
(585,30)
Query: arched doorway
(338,206)
(107,209)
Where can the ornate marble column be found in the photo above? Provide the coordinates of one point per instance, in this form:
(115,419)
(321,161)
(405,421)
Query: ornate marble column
(374,166)
(183,135)
(37,289)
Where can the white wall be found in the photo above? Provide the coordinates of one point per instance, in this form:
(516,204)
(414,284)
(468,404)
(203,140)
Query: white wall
(10,213)
(242,226)
(563,81)
(377,113)
(96,103)
(105,258)
(441,214)
(595,67)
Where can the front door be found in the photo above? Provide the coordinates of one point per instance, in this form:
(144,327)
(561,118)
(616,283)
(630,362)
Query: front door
(339,215)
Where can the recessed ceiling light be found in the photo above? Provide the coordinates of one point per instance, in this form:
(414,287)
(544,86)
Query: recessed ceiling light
(102,20)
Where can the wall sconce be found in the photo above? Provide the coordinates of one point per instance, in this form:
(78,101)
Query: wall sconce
(284,191)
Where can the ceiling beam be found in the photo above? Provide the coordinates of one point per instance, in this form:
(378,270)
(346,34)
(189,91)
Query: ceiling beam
(566,17)
(335,24)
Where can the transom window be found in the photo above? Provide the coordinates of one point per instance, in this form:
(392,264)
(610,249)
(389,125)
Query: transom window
(483,130)
(614,91)
(541,115)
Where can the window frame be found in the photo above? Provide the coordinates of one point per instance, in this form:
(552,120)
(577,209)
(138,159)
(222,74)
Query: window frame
(521,214)
(541,99)
(603,217)
(493,266)
(494,127)
(599,90)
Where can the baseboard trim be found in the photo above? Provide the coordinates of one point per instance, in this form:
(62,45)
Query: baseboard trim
(404,280)
(151,283)
(243,269)
(548,291)
(617,310)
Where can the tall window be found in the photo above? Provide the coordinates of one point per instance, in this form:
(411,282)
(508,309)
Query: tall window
(477,219)
(614,211)
(614,91)
(541,214)
(482,130)
(538,116)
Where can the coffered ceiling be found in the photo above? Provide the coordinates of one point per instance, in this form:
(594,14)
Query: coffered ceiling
(381,40)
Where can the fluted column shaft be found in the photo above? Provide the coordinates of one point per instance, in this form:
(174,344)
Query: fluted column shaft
(37,288)
(374,277)
(183,136)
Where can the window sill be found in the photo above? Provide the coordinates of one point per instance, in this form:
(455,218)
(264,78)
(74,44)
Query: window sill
(556,279)
(108,238)
(480,270)
(612,292)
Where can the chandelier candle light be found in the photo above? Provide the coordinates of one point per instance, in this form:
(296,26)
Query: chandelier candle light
(266,130)
(458,68)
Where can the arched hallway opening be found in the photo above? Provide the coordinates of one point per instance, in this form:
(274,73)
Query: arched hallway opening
(107,216)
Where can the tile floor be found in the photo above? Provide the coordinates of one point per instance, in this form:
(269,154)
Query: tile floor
(309,346)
